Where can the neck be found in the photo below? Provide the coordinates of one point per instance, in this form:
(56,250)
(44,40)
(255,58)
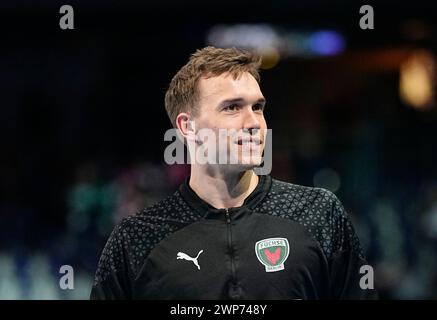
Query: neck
(223,189)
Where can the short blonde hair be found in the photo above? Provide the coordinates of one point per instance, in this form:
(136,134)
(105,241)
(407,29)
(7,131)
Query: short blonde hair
(182,93)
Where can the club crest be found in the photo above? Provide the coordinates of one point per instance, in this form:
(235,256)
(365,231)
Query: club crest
(272,253)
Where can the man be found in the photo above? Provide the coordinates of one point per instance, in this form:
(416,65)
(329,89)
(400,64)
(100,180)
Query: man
(228,233)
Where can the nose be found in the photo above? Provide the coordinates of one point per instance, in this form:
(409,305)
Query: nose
(251,121)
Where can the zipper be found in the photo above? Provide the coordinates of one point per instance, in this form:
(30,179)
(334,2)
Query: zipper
(228,223)
(228,216)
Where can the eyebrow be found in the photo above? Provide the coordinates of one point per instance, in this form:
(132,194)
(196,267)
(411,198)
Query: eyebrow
(239,100)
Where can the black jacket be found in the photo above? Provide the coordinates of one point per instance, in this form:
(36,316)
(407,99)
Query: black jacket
(286,242)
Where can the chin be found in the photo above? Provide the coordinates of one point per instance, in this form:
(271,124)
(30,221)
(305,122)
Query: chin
(250,163)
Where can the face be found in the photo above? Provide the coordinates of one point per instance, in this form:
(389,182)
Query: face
(236,105)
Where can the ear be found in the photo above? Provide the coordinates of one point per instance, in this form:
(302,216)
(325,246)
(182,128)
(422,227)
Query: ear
(186,125)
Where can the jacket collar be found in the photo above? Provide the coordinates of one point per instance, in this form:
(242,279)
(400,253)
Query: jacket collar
(205,210)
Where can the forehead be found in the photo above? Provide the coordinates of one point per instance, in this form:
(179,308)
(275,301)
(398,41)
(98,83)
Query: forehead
(225,86)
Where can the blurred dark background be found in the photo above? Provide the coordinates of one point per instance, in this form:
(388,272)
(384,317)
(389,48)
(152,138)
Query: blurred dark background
(82,121)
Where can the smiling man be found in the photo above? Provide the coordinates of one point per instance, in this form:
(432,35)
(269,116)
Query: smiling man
(228,233)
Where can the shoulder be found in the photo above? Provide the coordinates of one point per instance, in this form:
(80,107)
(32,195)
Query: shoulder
(150,225)
(133,238)
(298,198)
(318,210)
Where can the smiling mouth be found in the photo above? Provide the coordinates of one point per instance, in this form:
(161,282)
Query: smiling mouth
(255,141)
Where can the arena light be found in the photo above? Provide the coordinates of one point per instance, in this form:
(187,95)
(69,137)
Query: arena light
(251,36)
(261,38)
(273,42)
(326,43)
(270,57)
(417,80)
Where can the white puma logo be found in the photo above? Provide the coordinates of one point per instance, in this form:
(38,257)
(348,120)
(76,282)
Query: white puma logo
(185,256)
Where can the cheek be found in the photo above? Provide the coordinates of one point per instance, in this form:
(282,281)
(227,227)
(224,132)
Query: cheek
(263,123)
(203,122)
(208,120)
(263,126)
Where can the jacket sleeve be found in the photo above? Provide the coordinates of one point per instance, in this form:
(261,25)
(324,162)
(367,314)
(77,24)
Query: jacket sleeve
(351,277)
(112,278)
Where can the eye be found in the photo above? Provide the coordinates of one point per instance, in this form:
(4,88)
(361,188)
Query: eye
(258,107)
(231,107)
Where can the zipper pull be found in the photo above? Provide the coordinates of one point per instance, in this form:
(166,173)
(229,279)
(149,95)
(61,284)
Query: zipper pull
(228,217)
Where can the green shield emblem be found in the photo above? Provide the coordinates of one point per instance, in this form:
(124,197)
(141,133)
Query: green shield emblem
(272,253)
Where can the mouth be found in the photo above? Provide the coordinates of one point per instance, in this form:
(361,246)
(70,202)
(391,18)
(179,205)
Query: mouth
(252,140)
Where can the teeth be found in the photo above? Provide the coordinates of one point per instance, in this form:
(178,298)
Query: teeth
(248,141)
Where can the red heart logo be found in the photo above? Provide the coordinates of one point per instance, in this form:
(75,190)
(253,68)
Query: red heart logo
(273,257)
